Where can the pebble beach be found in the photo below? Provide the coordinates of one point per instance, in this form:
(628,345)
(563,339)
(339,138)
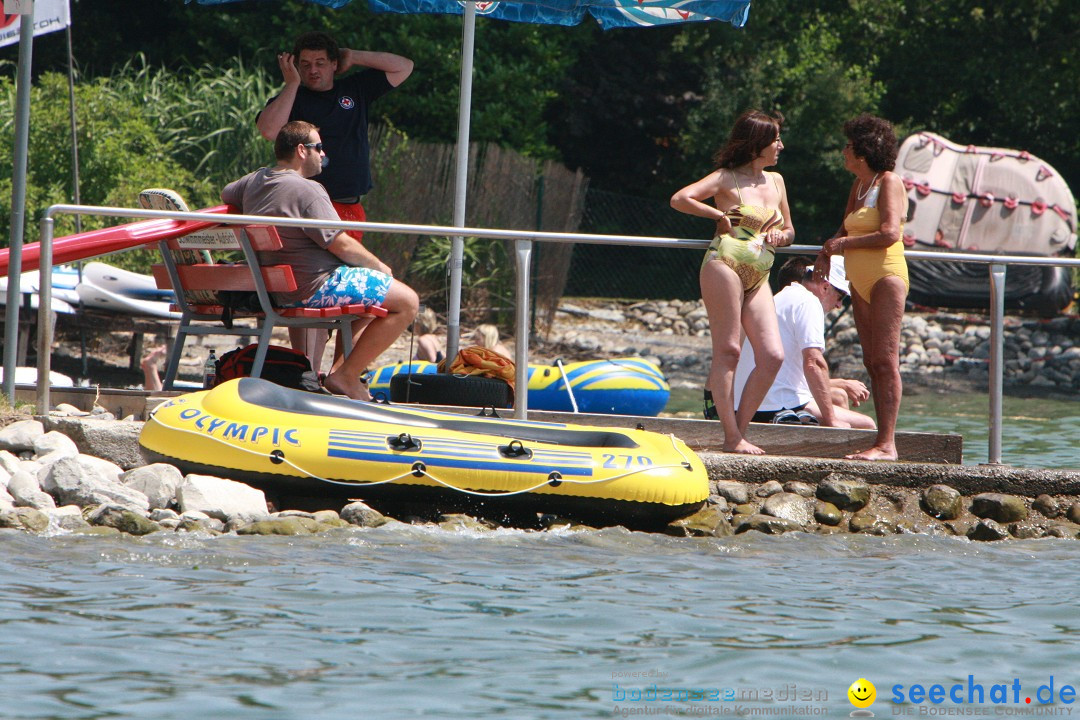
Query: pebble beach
(938,350)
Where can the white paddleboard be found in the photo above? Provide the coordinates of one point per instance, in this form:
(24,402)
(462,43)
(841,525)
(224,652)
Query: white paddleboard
(58,305)
(99,298)
(64,280)
(28,376)
(125,282)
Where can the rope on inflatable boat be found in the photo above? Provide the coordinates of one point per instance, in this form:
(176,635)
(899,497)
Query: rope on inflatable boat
(549,481)
(419,469)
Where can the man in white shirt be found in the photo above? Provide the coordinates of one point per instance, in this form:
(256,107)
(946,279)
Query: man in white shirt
(801,392)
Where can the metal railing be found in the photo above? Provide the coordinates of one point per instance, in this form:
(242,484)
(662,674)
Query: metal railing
(523,256)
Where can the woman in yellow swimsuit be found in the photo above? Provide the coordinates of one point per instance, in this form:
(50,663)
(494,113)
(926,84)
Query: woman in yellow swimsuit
(750,208)
(871,241)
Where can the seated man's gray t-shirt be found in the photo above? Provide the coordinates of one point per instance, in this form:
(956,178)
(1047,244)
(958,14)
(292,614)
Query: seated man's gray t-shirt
(285,193)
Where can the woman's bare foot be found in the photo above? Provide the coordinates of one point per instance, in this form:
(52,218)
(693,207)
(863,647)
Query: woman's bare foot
(340,384)
(874,453)
(745,447)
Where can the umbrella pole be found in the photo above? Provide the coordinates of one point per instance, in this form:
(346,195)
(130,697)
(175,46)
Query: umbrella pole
(457,243)
(18,204)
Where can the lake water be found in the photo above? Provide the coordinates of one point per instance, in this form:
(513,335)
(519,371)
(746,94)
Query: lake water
(1036,432)
(405,621)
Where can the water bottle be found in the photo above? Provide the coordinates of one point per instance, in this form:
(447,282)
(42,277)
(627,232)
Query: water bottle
(210,371)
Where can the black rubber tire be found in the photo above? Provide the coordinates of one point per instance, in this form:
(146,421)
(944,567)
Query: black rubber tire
(440,389)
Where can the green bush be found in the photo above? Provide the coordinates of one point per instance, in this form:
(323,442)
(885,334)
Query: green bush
(206,115)
(120,153)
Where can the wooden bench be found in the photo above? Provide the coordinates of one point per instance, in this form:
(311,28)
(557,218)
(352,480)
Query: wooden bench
(190,269)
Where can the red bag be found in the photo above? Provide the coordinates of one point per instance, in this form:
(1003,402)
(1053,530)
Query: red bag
(283,366)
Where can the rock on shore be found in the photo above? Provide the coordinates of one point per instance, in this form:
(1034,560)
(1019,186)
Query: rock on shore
(48,483)
(841,503)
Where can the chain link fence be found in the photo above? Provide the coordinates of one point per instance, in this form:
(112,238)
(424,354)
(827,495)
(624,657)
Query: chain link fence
(616,271)
(506,190)
(415,183)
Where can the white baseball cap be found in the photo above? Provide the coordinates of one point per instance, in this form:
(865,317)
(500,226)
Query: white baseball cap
(837,277)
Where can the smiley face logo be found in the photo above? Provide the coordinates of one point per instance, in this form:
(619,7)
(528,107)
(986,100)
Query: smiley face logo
(862,693)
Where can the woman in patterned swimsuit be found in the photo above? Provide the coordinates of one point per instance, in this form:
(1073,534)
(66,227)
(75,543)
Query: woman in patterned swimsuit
(755,219)
(871,241)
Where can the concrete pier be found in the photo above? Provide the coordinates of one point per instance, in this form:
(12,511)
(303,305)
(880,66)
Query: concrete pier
(117,441)
(700,435)
(777,494)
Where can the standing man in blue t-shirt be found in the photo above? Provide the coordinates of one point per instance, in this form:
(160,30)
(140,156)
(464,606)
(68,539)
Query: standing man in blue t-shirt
(339,108)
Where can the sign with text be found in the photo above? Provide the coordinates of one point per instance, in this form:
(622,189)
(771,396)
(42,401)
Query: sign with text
(18,7)
(49,15)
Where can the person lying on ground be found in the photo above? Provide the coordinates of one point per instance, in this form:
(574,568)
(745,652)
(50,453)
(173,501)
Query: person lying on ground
(428,346)
(150,365)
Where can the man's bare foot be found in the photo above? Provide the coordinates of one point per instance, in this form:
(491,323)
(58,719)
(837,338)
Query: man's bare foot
(341,384)
(874,453)
(150,365)
(745,447)
(152,358)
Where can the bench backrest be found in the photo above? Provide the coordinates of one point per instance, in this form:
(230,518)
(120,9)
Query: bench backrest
(195,274)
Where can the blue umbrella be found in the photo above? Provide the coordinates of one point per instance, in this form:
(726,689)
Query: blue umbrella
(609,13)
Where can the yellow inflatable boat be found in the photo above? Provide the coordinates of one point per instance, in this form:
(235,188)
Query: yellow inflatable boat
(298,444)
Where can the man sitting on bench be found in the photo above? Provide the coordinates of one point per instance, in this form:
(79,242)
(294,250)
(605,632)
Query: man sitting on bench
(331,267)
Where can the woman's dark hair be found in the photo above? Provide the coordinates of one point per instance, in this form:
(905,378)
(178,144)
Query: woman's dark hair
(874,140)
(753,132)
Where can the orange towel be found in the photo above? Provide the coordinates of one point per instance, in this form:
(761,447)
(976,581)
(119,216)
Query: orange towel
(476,360)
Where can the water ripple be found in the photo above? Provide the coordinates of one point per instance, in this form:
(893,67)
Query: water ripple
(403,621)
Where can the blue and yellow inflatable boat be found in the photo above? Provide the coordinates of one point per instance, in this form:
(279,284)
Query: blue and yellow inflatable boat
(299,444)
(623,386)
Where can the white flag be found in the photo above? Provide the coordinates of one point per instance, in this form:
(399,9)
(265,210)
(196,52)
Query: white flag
(49,15)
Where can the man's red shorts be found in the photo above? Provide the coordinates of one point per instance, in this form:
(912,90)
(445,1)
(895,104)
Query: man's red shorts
(353,212)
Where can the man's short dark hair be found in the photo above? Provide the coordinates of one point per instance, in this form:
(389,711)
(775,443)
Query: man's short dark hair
(291,135)
(317,41)
(795,270)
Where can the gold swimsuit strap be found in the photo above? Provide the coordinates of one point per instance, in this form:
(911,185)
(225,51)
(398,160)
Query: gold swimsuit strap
(737,188)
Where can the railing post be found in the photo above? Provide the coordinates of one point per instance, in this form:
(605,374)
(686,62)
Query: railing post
(523,253)
(461,178)
(44,327)
(997,357)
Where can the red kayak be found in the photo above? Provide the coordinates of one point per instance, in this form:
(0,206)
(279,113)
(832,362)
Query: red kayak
(96,243)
